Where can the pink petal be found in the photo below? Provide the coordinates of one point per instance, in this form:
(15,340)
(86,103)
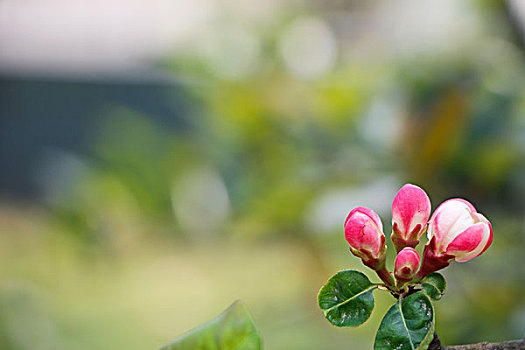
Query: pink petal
(406,264)
(467,203)
(470,243)
(362,230)
(407,257)
(370,240)
(410,208)
(482,218)
(370,213)
(450,219)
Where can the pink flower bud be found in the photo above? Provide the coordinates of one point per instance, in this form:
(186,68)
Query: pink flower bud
(456,231)
(364,233)
(460,230)
(406,264)
(410,213)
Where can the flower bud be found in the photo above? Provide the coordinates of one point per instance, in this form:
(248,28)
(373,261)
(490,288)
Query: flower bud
(410,213)
(406,264)
(364,233)
(456,231)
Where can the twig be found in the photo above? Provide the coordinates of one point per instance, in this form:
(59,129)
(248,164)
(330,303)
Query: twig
(436,343)
(506,345)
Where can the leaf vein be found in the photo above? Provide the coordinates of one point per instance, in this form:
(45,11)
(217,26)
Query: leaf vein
(348,300)
(404,324)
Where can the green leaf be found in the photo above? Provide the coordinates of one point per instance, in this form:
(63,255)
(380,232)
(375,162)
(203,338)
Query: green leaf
(434,285)
(231,330)
(347,299)
(407,325)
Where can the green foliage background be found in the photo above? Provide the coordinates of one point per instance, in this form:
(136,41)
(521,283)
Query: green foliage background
(158,230)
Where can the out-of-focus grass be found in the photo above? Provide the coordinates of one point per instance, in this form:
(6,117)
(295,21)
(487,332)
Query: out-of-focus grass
(58,294)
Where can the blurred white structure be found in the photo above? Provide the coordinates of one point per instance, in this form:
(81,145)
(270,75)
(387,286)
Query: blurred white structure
(108,35)
(95,35)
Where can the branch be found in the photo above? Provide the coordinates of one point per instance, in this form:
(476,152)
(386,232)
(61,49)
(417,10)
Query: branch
(506,345)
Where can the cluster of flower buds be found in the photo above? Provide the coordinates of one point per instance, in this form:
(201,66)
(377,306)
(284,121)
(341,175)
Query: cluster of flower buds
(456,231)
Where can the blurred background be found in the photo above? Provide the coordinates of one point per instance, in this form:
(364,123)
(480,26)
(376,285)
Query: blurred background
(161,159)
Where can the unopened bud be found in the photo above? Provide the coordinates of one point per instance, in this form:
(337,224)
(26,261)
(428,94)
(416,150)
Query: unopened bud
(410,213)
(406,264)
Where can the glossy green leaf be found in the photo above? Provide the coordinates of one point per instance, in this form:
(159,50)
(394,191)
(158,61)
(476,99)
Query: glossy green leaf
(347,299)
(231,330)
(434,285)
(407,325)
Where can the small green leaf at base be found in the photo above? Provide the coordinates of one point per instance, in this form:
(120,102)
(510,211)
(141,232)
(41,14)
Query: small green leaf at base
(231,330)
(407,325)
(434,285)
(347,299)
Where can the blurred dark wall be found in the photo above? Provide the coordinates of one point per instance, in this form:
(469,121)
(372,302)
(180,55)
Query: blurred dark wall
(42,114)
